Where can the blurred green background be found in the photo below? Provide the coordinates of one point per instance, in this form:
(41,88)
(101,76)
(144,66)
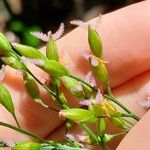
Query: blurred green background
(19,17)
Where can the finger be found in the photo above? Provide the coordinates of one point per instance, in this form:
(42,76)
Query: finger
(125,34)
(40,120)
(138,137)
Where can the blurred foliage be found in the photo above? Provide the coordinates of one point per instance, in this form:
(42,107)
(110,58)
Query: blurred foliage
(23,16)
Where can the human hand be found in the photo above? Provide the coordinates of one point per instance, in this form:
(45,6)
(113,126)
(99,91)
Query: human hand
(125,34)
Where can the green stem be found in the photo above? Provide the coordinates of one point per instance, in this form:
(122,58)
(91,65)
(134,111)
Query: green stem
(90,133)
(82,81)
(128,122)
(121,133)
(126,115)
(113,99)
(109,90)
(15,118)
(23,131)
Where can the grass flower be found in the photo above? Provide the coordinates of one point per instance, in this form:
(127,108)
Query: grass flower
(89,78)
(97,100)
(85,25)
(45,37)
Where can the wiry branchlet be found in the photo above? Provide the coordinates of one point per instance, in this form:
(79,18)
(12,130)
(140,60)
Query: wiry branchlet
(5,47)
(32,88)
(45,37)
(28,51)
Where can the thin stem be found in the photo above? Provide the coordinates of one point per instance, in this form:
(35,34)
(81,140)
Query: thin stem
(53,109)
(113,99)
(126,115)
(24,132)
(90,133)
(82,81)
(16,120)
(128,122)
(121,133)
(109,90)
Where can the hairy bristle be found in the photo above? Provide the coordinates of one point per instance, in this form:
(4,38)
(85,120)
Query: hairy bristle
(79,23)
(59,32)
(40,35)
(94,61)
(145,103)
(90,79)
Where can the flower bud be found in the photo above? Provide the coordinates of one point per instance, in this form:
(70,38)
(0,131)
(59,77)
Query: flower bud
(95,42)
(5,47)
(73,86)
(28,51)
(32,89)
(99,70)
(6,100)
(110,109)
(27,145)
(54,68)
(78,115)
(96,109)
(102,126)
(51,49)
(14,62)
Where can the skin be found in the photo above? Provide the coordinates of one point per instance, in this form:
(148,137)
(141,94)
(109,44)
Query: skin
(125,34)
